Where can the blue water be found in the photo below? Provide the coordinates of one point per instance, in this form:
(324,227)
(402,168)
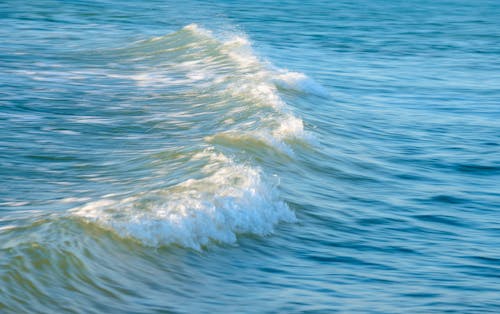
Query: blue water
(260,157)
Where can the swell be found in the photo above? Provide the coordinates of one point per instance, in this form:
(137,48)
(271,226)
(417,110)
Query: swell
(226,100)
(220,107)
(224,81)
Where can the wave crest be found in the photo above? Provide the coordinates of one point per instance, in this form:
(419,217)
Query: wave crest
(235,83)
(231,199)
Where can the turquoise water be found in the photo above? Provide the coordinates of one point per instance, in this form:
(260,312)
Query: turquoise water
(262,157)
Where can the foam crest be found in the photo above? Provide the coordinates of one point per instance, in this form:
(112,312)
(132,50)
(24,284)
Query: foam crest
(231,199)
(277,133)
(289,128)
(194,28)
(226,70)
(299,82)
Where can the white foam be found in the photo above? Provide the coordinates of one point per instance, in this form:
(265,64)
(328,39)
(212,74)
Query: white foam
(299,82)
(258,82)
(274,133)
(260,92)
(231,199)
(290,127)
(194,28)
(225,198)
(228,67)
(68,200)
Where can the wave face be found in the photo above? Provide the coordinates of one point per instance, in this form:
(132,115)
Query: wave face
(236,96)
(234,87)
(230,199)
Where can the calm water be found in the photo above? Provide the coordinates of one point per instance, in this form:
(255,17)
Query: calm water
(249,156)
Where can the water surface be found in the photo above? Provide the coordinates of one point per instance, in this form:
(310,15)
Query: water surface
(226,156)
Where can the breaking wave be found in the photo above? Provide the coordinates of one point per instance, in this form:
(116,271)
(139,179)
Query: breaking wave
(237,96)
(229,200)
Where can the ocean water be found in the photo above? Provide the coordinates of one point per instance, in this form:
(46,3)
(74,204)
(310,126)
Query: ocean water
(249,156)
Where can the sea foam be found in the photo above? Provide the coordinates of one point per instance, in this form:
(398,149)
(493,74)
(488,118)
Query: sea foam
(256,82)
(225,69)
(225,197)
(230,199)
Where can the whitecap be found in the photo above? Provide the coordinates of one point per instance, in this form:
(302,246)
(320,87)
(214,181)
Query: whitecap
(231,199)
